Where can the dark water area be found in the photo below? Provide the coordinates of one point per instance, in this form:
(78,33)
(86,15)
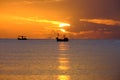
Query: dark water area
(51,60)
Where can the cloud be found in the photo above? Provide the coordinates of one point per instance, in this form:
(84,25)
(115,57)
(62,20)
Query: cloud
(34,19)
(102,21)
(94,35)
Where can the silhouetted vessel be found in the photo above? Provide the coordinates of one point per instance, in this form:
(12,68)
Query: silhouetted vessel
(64,39)
(22,38)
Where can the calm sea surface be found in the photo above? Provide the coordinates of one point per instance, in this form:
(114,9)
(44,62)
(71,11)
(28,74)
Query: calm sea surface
(51,60)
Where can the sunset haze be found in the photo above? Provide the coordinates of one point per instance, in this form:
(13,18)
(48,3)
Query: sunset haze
(43,19)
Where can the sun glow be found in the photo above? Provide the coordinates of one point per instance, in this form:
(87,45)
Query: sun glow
(61,25)
(64,24)
(63,30)
(34,19)
(34,26)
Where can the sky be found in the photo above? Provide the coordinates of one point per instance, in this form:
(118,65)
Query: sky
(77,19)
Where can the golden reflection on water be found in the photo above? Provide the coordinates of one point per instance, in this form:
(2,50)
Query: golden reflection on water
(63,46)
(63,60)
(64,63)
(63,77)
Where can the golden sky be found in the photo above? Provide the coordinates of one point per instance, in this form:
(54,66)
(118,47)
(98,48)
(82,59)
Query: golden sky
(42,19)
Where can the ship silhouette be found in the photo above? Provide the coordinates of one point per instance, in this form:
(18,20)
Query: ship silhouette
(22,38)
(64,39)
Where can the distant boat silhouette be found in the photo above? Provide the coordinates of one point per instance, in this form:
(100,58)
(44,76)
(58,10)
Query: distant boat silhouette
(22,38)
(64,39)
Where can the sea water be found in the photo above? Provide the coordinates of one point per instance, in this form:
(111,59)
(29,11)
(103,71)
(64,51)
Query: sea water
(51,60)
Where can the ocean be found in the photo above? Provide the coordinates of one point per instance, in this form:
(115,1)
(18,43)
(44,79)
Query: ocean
(51,60)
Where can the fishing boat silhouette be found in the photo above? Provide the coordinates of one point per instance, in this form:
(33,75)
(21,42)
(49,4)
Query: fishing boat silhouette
(22,38)
(64,39)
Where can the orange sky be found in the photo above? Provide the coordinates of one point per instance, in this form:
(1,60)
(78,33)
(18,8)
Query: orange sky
(44,18)
(24,18)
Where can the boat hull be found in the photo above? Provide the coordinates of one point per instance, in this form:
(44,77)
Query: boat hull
(22,39)
(62,40)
